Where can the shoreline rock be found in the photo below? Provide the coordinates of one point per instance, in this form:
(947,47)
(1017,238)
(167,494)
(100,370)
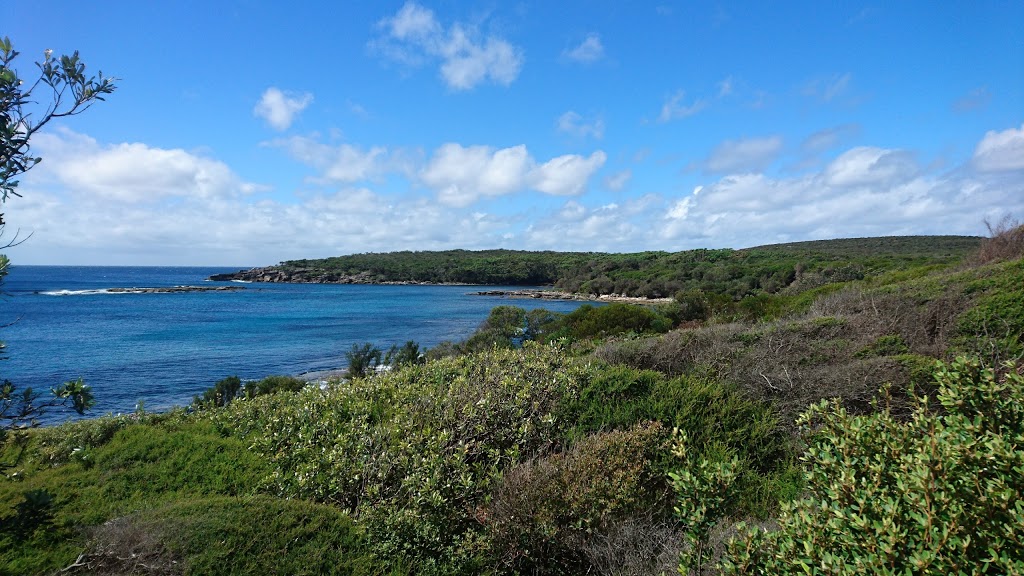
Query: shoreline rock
(173,289)
(557,295)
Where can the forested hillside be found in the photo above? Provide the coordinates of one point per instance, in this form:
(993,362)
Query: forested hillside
(734,273)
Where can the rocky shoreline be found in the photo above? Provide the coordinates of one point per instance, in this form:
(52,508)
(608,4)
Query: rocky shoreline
(557,295)
(173,289)
(313,276)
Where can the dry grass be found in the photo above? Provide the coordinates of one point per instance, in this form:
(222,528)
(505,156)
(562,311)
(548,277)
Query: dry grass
(845,346)
(1005,242)
(127,546)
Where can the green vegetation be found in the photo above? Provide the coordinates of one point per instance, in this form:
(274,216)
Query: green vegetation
(231,388)
(733,274)
(939,493)
(833,420)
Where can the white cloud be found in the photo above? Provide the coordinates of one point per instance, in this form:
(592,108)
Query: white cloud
(573,124)
(590,50)
(566,175)
(467,57)
(146,205)
(867,166)
(279,109)
(1000,151)
(133,172)
(674,108)
(344,163)
(616,182)
(462,175)
(744,155)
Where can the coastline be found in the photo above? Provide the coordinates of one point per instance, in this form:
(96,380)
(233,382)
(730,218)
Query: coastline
(540,294)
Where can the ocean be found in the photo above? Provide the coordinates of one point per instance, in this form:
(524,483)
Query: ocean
(161,349)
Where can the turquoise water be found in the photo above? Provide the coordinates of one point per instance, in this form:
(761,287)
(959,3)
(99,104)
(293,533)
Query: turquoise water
(163,349)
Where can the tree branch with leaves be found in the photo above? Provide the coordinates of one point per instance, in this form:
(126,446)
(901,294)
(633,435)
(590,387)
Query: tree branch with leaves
(62,89)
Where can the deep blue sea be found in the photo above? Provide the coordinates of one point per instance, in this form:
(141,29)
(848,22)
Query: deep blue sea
(162,349)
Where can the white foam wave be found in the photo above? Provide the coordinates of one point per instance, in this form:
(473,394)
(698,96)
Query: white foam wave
(75,292)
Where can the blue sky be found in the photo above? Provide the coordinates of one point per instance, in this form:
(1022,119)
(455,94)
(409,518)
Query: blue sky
(246,133)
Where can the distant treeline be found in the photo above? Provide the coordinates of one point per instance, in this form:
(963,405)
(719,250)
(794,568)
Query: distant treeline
(736,273)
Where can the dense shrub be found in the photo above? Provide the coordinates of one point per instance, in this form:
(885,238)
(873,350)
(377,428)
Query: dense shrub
(546,513)
(938,494)
(588,322)
(273,384)
(412,453)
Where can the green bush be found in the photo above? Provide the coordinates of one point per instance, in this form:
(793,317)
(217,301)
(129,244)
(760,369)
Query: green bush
(273,384)
(935,494)
(413,452)
(545,513)
(588,322)
(221,394)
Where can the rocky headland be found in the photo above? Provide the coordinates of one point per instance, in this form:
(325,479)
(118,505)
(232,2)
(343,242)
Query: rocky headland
(307,276)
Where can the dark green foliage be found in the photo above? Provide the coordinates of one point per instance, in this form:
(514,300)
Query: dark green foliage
(407,354)
(273,384)
(730,273)
(716,417)
(222,393)
(505,327)
(587,322)
(34,512)
(19,410)
(363,359)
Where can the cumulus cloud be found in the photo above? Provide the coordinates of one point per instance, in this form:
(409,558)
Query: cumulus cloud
(744,155)
(867,166)
(1000,151)
(462,175)
(590,50)
(163,206)
(280,109)
(566,175)
(467,57)
(134,172)
(573,124)
(675,108)
(344,163)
